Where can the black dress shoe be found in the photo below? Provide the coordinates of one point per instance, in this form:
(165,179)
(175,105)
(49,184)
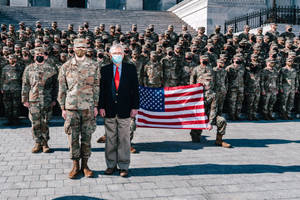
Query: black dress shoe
(110,171)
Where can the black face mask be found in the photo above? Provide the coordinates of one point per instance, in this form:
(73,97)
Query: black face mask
(151,29)
(238,62)
(100,56)
(86,26)
(71,51)
(170,53)
(189,58)
(47,42)
(40,59)
(195,51)
(134,29)
(142,41)
(290,30)
(165,44)
(145,51)
(126,51)
(204,62)
(123,40)
(38,26)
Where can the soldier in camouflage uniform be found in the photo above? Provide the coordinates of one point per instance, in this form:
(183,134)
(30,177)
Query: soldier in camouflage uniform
(269,89)
(39,91)
(171,69)
(221,85)
(153,72)
(10,87)
(235,74)
(205,75)
(252,86)
(288,85)
(187,68)
(78,96)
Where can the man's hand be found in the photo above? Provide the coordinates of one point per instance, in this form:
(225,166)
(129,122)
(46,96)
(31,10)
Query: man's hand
(102,113)
(209,127)
(95,112)
(133,113)
(64,114)
(26,104)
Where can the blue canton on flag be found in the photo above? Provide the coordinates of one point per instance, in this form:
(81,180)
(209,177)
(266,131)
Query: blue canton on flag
(152,99)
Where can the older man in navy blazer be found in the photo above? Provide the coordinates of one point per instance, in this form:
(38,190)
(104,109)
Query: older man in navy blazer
(119,101)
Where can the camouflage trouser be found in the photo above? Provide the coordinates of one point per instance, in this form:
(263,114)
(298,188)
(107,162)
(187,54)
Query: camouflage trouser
(220,96)
(220,123)
(252,100)
(297,102)
(132,128)
(287,101)
(268,101)
(80,123)
(39,116)
(12,102)
(235,101)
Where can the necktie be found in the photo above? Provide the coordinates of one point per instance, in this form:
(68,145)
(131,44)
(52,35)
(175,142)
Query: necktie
(117,78)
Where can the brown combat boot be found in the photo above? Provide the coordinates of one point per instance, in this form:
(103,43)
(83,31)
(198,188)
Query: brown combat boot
(102,139)
(46,148)
(85,169)
(75,170)
(37,148)
(133,150)
(220,142)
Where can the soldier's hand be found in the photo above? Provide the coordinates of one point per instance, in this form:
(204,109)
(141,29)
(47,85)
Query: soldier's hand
(133,113)
(209,127)
(95,112)
(26,104)
(64,114)
(102,113)
(263,93)
(53,104)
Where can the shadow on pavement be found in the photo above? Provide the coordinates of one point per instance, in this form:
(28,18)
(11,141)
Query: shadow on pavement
(207,169)
(77,198)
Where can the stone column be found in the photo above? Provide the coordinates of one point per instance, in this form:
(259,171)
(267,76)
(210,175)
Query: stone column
(166,4)
(97,4)
(23,3)
(134,4)
(58,3)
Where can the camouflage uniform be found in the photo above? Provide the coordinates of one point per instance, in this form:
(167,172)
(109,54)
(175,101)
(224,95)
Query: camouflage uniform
(11,86)
(288,84)
(221,86)
(252,88)
(153,73)
(170,69)
(188,67)
(269,89)
(78,95)
(40,90)
(235,89)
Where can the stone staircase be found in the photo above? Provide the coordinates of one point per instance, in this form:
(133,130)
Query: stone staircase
(76,16)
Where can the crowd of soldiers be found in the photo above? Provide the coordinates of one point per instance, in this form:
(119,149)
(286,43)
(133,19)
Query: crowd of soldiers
(253,72)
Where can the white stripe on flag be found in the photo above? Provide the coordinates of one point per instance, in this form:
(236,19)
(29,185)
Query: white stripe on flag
(199,103)
(173,120)
(183,90)
(191,126)
(195,96)
(173,113)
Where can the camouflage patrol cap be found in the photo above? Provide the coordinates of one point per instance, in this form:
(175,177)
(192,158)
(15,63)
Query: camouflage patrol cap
(254,56)
(11,25)
(235,37)
(291,53)
(184,26)
(266,36)
(289,41)
(215,37)
(260,28)
(170,26)
(80,42)
(223,56)
(56,47)
(25,49)
(201,28)
(38,50)
(151,26)
(64,41)
(289,26)
(243,41)
(56,36)
(218,26)
(102,25)
(6,48)
(112,26)
(220,61)
(18,45)
(230,27)
(247,26)
(63,54)
(270,61)
(22,23)
(90,50)
(70,25)
(105,37)
(153,53)
(70,46)
(204,57)
(188,54)
(280,38)
(85,23)
(37,22)
(290,60)
(169,49)
(209,45)
(12,56)
(134,25)
(259,37)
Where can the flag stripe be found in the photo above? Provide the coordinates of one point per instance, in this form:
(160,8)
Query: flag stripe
(182,90)
(186,119)
(185,101)
(189,106)
(192,126)
(197,85)
(183,94)
(184,97)
(183,112)
(171,116)
(173,123)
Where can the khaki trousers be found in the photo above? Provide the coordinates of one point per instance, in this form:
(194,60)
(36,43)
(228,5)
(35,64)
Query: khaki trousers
(117,146)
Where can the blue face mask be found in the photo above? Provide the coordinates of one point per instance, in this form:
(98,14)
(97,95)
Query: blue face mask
(117,59)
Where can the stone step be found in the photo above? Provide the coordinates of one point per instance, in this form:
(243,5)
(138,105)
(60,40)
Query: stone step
(76,16)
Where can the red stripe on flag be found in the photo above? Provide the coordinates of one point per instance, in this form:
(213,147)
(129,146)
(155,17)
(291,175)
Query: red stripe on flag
(171,116)
(182,87)
(183,94)
(184,108)
(183,101)
(173,123)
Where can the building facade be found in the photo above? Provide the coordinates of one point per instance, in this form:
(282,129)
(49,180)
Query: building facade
(96,4)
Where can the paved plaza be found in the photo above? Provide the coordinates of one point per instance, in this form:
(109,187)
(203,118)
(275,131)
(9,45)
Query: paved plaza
(264,164)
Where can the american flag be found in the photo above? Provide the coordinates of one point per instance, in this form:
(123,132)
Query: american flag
(172,107)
